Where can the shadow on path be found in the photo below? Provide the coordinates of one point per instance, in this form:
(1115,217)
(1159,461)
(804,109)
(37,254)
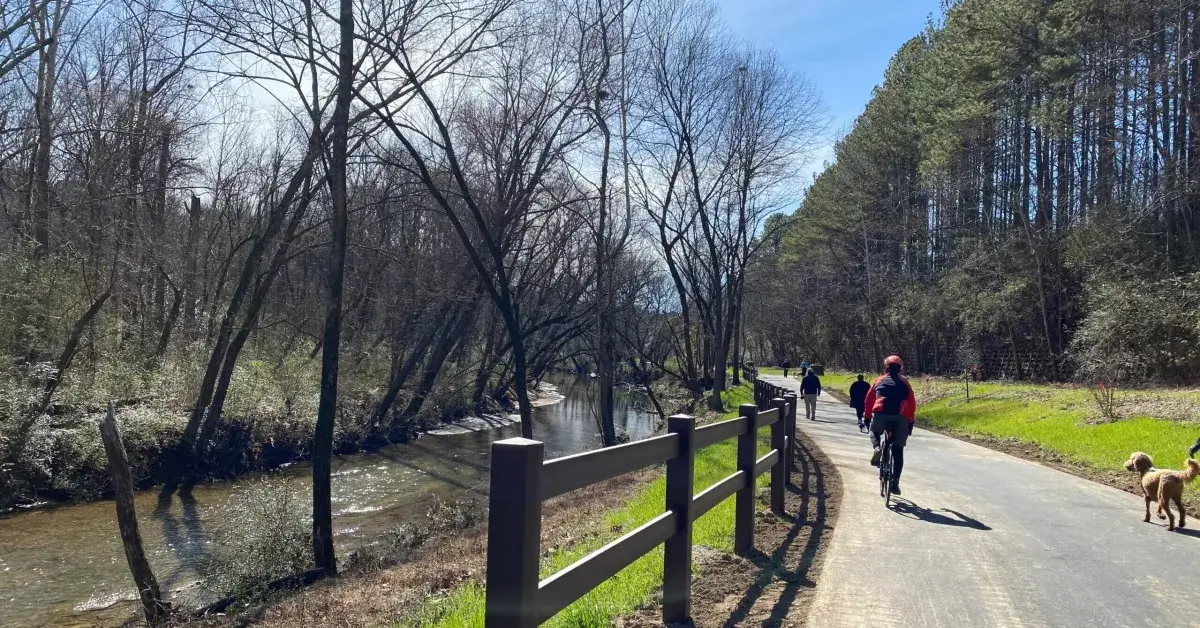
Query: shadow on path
(910,509)
(788,564)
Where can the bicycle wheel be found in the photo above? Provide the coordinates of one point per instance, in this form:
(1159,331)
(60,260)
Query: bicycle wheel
(887,488)
(885,467)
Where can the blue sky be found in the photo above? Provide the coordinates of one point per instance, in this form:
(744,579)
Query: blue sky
(843,46)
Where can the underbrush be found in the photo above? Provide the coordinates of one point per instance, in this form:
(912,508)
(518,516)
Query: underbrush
(264,534)
(442,517)
(630,589)
(268,420)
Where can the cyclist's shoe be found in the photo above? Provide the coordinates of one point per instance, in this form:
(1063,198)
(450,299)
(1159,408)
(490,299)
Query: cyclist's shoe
(875,458)
(896,487)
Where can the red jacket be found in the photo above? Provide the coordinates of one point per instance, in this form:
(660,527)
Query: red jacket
(891,395)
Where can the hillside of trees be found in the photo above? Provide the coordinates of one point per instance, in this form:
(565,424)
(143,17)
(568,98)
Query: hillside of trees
(272,230)
(1021,198)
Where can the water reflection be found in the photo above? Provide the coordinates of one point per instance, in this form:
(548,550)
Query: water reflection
(183,535)
(56,559)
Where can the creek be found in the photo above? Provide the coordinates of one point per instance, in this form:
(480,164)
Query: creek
(65,565)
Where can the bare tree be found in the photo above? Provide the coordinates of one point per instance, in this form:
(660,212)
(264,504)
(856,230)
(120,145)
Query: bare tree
(521,117)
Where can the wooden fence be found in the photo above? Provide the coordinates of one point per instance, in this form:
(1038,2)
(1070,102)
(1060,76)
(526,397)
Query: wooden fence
(521,481)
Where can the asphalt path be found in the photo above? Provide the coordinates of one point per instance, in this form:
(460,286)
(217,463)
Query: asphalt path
(981,538)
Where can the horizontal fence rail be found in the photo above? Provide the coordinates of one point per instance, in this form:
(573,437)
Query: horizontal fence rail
(521,481)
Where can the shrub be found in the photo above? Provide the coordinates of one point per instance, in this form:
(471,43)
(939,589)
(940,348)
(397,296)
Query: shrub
(25,449)
(441,517)
(1136,331)
(1105,397)
(265,533)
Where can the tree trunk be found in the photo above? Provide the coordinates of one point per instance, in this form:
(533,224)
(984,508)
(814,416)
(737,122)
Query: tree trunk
(323,553)
(487,362)
(164,339)
(245,280)
(189,278)
(406,370)
(47,79)
(159,223)
(520,368)
(216,407)
(118,469)
(454,331)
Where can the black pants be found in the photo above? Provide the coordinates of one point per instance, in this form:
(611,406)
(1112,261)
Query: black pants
(1194,448)
(881,423)
(859,411)
(785,372)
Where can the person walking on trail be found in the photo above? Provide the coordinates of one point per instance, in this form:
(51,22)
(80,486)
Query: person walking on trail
(891,406)
(785,365)
(810,389)
(803,368)
(858,399)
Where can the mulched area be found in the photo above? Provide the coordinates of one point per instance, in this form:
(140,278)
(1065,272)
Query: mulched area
(773,585)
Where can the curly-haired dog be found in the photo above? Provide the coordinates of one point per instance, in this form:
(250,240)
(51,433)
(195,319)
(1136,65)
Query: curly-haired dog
(1163,486)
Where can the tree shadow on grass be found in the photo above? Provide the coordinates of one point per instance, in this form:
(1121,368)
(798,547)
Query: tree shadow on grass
(792,571)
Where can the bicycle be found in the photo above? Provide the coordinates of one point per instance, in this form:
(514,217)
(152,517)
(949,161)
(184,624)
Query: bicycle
(885,467)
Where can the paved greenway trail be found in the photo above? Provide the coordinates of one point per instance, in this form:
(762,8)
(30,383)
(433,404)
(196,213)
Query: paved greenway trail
(981,538)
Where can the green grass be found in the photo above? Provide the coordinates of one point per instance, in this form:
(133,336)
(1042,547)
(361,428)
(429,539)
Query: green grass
(839,382)
(632,586)
(836,381)
(1060,419)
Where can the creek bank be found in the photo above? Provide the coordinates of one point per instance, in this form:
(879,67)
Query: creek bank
(73,469)
(543,395)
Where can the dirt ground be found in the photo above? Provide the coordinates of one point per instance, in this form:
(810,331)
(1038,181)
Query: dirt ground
(391,595)
(773,585)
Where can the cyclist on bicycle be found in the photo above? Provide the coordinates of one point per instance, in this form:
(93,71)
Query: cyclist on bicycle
(893,405)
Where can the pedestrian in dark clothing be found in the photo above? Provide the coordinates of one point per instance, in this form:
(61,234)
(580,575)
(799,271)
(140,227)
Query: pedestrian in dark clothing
(785,365)
(858,397)
(810,389)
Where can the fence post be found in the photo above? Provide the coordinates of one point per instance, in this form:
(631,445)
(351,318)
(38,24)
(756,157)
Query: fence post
(514,534)
(677,552)
(791,434)
(779,471)
(747,450)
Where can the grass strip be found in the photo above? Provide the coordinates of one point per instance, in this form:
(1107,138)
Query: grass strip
(1062,420)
